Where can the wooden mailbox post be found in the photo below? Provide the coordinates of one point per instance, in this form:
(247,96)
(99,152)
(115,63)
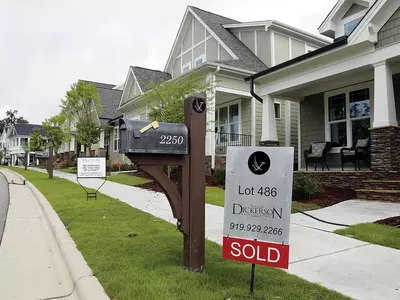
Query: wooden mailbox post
(150,145)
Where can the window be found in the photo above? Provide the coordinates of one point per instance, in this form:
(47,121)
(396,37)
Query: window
(348,117)
(277,110)
(116,139)
(199,60)
(227,123)
(186,68)
(349,26)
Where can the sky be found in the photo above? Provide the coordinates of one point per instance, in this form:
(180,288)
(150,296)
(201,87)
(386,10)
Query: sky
(47,45)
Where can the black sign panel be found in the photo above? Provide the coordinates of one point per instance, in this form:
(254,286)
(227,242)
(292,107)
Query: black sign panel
(152,137)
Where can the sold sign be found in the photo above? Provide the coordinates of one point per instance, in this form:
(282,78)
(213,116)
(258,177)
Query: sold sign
(258,198)
(256,252)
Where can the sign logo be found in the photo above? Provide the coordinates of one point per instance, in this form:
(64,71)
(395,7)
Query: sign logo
(199,105)
(259,163)
(258,211)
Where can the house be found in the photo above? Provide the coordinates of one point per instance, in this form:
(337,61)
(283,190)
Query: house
(226,51)
(347,91)
(14,141)
(110,96)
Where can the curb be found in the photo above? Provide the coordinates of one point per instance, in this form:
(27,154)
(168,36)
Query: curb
(86,285)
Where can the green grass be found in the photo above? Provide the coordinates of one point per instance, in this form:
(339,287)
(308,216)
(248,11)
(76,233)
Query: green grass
(68,170)
(149,266)
(128,179)
(303,206)
(373,233)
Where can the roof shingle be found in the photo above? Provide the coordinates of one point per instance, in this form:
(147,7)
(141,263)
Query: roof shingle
(146,76)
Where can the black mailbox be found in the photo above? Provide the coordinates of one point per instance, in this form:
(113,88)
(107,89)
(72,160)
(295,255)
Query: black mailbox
(152,137)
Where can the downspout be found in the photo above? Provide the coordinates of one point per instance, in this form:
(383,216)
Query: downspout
(252,90)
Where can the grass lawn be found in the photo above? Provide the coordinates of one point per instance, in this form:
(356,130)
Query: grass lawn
(373,233)
(128,179)
(68,170)
(148,266)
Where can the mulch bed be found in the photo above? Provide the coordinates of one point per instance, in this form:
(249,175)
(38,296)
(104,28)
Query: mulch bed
(328,196)
(394,221)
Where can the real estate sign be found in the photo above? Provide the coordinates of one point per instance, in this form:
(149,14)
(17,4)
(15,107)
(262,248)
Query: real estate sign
(258,198)
(91,167)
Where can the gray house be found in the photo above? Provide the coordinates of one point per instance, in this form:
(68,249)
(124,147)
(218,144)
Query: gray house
(226,51)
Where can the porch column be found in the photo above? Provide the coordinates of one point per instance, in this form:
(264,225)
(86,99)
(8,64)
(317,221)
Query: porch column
(269,135)
(210,126)
(385,134)
(384,108)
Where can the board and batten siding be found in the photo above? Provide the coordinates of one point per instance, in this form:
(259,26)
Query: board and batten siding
(312,121)
(390,32)
(196,42)
(294,119)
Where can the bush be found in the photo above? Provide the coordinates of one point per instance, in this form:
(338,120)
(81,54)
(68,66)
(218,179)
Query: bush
(124,167)
(219,175)
(304,187)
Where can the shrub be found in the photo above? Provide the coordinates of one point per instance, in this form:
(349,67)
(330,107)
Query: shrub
(219,175)
(304,187)
(124,167)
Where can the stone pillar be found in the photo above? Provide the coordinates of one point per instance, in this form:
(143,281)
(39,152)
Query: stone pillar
(269,135)
(385,152)
(385,134)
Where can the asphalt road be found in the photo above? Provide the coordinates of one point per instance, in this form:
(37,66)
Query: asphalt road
(4,200)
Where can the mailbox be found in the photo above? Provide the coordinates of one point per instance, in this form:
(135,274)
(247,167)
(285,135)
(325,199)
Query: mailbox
(152,137)
(41,155)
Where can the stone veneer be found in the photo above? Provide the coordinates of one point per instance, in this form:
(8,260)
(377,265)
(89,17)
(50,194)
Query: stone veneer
(341,179)
(385,152)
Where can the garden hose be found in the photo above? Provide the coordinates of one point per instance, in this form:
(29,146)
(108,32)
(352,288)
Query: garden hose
(323,221)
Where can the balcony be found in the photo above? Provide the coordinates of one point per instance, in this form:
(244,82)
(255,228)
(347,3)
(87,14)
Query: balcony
(225,140)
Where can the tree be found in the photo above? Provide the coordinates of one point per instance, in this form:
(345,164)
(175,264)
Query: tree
(37,143)
(54,131)
(11,118)
(25,147)
(81,107)
(166,99)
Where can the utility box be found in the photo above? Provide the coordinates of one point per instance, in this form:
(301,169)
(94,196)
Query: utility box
(152,137)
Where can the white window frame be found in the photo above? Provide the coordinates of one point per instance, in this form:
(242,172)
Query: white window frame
(116,138)
(227,104)
(280,110)
(346,91)
(203,60)
(189,64)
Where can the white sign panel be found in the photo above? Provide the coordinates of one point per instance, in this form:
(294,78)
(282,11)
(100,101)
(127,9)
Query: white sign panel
(91,167)
(258,193)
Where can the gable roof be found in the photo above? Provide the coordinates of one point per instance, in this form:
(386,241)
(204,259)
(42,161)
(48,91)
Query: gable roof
(26,129)
(145,76)
(215,23)
(109,98)
(99,84)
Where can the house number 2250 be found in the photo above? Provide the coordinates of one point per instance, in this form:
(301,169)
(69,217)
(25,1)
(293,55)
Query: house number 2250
(171,140)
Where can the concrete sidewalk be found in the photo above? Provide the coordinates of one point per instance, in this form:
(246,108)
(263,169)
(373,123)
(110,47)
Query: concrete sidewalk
(32,265)
(354,268)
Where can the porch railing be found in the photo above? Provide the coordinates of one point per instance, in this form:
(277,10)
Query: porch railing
(224,140)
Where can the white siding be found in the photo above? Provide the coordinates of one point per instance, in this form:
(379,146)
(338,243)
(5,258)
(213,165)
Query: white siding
(248,38)
(281,48)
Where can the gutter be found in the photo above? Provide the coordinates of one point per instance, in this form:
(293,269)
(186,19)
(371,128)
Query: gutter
(338,43)
(252,92)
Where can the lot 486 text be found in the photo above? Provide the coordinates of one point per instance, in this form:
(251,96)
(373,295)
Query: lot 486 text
(254,191)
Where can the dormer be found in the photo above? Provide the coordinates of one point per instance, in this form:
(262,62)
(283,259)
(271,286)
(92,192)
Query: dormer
(344,17)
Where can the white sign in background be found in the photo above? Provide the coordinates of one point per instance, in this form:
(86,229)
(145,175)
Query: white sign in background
(258,193)
(91,167)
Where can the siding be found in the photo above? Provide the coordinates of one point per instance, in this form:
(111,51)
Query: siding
(281,48)
(199,32)
(258,121)
(177,67)
(390,32)
(298,48)
(223,54)
(264,47)
(199,50)
(294,138)
(312,121)
(396,85)
(246,116)
(187,40)
(212,49)
(247,38)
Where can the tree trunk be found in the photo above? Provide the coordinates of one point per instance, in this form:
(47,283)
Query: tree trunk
(26,160)
(50,166)
(88,154)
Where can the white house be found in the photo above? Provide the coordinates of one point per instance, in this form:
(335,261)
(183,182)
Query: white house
(226,51)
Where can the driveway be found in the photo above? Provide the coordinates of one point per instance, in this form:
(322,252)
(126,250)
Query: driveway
(4,200)
(358,269)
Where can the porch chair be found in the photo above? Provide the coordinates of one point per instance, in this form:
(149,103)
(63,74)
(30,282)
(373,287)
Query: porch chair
(360,151)
(317,154)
